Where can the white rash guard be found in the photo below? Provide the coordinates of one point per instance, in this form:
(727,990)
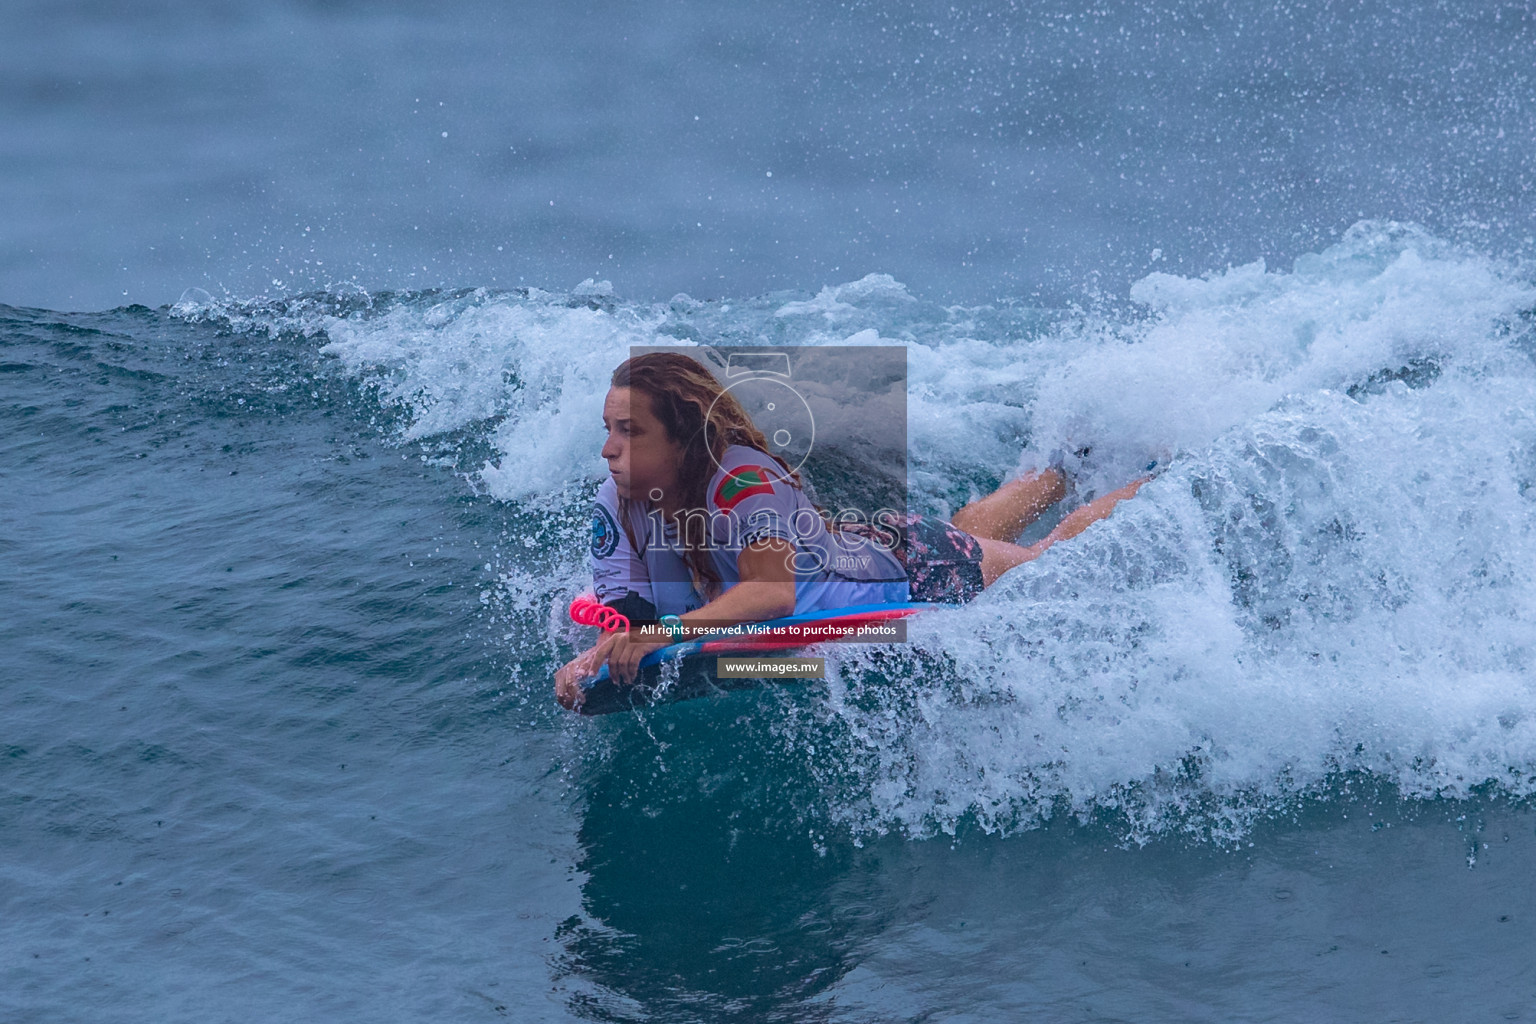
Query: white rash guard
(749,498)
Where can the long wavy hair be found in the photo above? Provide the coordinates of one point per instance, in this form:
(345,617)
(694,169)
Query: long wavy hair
(705,420)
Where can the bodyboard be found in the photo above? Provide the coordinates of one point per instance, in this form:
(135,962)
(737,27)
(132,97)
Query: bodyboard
(687,670)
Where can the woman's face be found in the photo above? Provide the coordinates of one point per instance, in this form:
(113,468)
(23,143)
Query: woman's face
(641,457)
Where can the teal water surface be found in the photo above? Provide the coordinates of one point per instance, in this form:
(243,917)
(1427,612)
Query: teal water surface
(279,744)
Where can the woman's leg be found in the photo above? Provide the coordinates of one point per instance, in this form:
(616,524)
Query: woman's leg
(998,556)
(1003,514)
(1085,516)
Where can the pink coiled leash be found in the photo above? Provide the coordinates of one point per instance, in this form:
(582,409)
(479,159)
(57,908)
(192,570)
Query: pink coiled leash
(587,611)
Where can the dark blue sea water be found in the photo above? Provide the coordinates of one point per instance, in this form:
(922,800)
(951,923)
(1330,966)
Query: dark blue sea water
(289,526)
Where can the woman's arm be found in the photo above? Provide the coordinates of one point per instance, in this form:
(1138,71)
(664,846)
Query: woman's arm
(620,579)
(766,591)
(584,666)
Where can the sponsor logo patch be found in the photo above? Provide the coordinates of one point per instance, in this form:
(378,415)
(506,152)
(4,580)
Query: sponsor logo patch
(605,533)
(740,484)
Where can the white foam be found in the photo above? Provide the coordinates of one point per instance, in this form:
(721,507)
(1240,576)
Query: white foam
(538,368)
(1321,583)
(1225,348)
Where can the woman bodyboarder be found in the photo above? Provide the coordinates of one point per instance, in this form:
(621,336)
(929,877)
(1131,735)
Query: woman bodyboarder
(699,524)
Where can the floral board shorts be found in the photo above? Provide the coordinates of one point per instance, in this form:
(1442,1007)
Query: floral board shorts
(942,561)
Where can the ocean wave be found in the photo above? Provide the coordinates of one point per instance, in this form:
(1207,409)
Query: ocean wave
(1336,575)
